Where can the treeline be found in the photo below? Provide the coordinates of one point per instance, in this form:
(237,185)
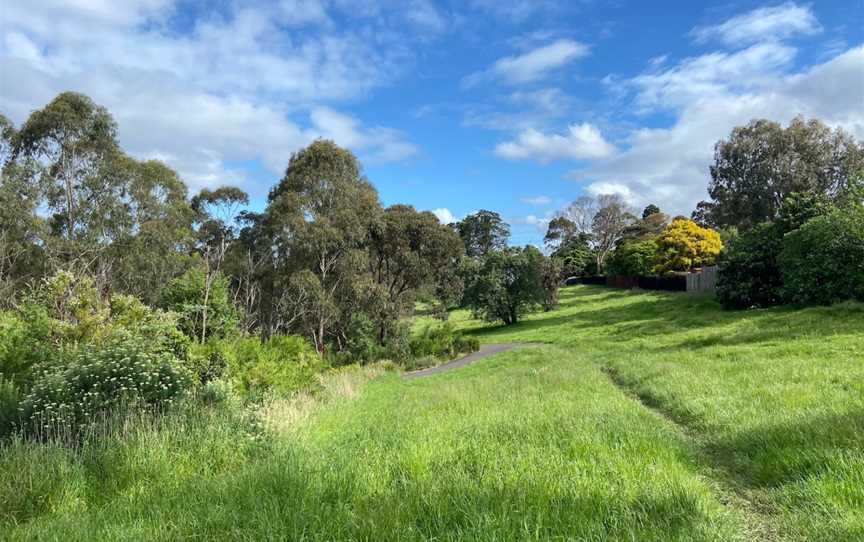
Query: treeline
(117,285)
(784,222)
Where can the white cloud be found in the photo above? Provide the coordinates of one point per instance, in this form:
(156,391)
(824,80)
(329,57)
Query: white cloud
(669,166)
(537,200)
(763,24)
(235,87)
(444,216)
(531,66)
(711,75)
(582,141)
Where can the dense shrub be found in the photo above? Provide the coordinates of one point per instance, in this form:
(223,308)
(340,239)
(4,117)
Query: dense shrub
(93,380)
(282,364)
(441,341)
(633,258)
(208,361)
(823,261)
(23,344)
(749,269)
(200,301)
(10,401)
(748,272)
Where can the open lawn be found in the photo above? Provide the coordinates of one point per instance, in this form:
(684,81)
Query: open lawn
(637,416)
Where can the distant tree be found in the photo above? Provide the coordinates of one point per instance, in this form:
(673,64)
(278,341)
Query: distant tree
(762,163)
(561,231)
(71,138)
(506,284)
(409,250)
(608,226)
(650,210)
(684,245)
(483,232)
(749,269)
(216,212)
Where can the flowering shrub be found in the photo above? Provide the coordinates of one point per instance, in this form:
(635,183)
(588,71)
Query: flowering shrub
(93,380)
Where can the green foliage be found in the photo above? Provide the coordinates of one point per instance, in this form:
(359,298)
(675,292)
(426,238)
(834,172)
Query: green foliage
(762,163)
(748,272)
(634,258)
(482,233)
(506,284)
(441,341)
(197,305)
(822,262)
(209,360)
(282,364)
(89,382)
(10,403)
(684,245)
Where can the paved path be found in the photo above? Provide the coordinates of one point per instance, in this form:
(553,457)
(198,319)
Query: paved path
(485,350)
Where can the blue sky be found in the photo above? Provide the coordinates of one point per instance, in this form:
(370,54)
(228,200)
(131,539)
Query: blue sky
(512,105)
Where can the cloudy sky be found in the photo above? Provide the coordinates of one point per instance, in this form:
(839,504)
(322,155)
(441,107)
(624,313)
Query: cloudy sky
(518,106)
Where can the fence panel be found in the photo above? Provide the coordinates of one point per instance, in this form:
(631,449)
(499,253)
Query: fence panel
(703,281)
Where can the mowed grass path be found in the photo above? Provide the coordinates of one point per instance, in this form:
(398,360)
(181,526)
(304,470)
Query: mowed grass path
(644,416)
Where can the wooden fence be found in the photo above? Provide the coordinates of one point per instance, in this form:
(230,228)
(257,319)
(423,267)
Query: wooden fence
(703,281)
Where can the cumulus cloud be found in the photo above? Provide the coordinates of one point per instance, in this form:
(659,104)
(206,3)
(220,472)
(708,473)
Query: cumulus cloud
(581,141)
(768,23)
(444,215)
(234,87)
(669,166)
(532,65)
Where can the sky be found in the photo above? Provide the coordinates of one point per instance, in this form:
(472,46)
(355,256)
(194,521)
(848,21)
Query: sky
(517,106)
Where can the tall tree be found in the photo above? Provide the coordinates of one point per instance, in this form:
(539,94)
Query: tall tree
(407,251)
(608,226)
(762,163)
(483,232)
(320,213)
(71,138)
(216,212)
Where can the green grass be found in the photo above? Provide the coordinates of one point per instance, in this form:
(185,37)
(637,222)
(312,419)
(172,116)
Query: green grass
(643,416)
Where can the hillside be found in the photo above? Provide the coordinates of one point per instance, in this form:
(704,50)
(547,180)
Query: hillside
(639,416)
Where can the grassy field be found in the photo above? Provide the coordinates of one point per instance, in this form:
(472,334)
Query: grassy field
(631,416)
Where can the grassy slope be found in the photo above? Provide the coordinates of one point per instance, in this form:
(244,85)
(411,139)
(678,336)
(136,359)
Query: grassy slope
(646,417)
(774,399)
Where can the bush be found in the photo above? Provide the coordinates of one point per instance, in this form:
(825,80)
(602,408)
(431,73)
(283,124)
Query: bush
(441,342)
(186,296)
(94,380)
(283,364)
(822,262)
(10,402)
(208,361)
(748,272)
(632,259)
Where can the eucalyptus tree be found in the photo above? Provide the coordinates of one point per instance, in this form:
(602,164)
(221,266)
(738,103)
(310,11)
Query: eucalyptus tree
(320,215)
(483,232)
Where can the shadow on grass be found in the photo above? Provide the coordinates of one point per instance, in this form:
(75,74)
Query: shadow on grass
(662,315)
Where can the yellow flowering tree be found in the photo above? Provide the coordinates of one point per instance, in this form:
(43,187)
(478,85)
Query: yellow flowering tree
(684,245)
